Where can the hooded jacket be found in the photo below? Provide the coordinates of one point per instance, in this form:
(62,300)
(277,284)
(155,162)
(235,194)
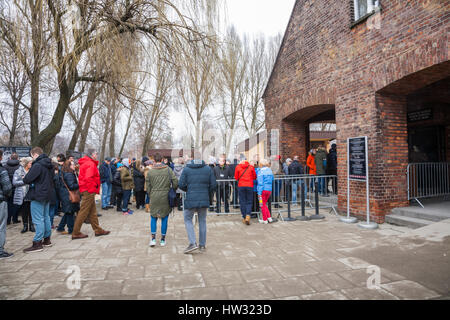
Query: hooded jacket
(41,179)
(245,177)
(310,162)
(126,175)
(89,178)
(138,179)
(332,161)
(265,180)
(198,181)
(11,166)
(158,185)
(320,156)
(5,185)
(106,174)
(178,170)
(21,188)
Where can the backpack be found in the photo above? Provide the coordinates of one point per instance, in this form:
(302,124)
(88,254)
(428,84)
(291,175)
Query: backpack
(117,181)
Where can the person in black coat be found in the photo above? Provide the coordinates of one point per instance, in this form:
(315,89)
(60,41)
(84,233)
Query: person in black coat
(69,182)
(223,172)
(139,182)
(117,188)
(112,201)
(332,166)
(13,210)
(40,179)
(234,198)
(296,168)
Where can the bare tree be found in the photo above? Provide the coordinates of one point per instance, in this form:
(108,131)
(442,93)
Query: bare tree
(92,24)
(232,83)
(14,82)
(262,57)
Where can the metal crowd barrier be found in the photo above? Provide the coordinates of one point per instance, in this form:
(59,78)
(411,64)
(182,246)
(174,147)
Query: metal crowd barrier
(427,180)
(288,191)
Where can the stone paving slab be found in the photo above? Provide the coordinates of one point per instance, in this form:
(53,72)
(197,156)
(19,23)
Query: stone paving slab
(285,260)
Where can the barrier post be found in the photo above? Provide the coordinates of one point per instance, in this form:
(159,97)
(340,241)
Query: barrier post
(289,195)
(303,190)
(316,216)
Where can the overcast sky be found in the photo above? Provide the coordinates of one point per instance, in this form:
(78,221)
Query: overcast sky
(260,16)
(249,17)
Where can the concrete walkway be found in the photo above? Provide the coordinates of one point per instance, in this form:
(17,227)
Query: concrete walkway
(285,260)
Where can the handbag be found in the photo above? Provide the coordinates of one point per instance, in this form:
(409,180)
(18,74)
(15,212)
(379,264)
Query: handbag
(74,196)
(172,193)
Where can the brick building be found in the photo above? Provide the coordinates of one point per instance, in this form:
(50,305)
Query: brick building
(377,68)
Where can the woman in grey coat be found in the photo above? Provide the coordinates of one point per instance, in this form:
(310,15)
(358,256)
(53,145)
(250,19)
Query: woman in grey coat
(20,193)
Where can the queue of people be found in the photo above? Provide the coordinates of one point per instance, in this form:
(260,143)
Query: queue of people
(37,189)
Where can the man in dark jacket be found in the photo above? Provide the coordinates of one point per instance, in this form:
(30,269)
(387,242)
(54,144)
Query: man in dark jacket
(295,168)
(234,197)
(321,156)
(223,172)
(113,166)
(106,178)
(5,193)
(11,166)
(197,180)
(332,166)
(40,178)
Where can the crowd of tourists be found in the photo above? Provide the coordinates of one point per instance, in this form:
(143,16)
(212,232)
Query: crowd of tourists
(38,188)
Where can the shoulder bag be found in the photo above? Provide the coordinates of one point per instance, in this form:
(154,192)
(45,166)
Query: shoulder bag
(74,196)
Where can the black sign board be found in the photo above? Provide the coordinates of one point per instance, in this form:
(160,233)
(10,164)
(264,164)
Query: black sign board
(357,156)
(426,114)
(22,152)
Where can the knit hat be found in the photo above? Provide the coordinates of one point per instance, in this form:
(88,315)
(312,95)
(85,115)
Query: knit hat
(126,162)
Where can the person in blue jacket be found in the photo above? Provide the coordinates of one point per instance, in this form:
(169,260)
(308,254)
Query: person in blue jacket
(265,180)
(197,180)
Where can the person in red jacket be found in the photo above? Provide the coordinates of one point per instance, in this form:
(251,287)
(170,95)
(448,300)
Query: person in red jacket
(245,175)
(89,183)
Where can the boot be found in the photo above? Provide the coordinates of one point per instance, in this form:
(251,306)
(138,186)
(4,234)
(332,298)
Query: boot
(147,207)
(36,247)
(25,228)
(47,242)
(32,227)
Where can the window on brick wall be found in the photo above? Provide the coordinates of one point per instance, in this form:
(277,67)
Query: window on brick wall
(364,7)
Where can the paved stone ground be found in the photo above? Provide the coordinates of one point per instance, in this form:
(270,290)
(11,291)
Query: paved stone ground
(286,260)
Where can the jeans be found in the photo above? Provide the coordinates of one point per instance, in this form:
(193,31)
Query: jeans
(298,183)
(246,200)
(188,216)
(68,220)
(3,220)
(40,213)
(147,198)
(52,212)
(153,225)
(125,199)
(106,194)
(321,185)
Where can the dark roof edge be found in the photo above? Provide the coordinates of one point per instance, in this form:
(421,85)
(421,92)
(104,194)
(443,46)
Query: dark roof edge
(281,46)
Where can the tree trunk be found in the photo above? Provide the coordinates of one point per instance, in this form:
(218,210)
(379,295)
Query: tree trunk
(112,134)
(105,136)
(79,125)
(126,132)
(34,108)
(90,106)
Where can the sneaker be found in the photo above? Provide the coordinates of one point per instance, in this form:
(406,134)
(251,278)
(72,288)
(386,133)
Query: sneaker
(260,221)
(125,213)
(152,243)
(162,243)
(270,220)
(190,248)
(99,214)
(6,255)
(130,211)
(265,222)
(247,220)
(202,248)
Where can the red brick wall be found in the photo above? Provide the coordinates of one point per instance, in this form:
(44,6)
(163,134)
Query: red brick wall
(324,61)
